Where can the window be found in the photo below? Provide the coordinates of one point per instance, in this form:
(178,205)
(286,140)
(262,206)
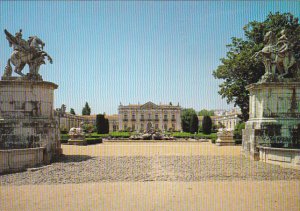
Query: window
(142,126)
(156,126)
(133,116)
(133,127)
(173,116)
(165,127)
(165,117)
(142,116)
(173,126)
(156,116)
(149,116)
(125,126)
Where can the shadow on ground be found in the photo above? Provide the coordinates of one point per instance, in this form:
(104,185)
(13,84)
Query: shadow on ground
(71,158)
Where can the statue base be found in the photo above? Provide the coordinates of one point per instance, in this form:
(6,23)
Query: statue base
(81,142)
(225,138)
(274,116)
(27,117)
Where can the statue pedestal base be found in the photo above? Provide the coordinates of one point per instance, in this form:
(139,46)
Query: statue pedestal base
(274,116)
(225,138)
(27,116)
(77,142)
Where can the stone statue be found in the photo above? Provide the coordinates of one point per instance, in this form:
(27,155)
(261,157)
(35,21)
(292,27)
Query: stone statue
(268,56)
(26,52)
(285,58)
(279,58)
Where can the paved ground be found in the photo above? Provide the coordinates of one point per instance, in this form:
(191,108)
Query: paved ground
(155,176)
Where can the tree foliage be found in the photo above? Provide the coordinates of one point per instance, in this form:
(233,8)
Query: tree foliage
(194,123)
(206,125)
(205,112)
(240,68)
(86,109)
(72,111)
(188,120)
(102,124)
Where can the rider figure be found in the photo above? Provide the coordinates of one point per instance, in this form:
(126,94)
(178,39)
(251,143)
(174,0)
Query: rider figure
(22,44)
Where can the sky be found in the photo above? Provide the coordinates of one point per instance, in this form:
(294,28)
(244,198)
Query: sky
(107,53)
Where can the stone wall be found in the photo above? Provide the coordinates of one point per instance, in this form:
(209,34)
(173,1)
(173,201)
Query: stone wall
(289,157)
(19,159)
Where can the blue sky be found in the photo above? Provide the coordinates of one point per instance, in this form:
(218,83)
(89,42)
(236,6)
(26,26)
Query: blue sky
(134,52)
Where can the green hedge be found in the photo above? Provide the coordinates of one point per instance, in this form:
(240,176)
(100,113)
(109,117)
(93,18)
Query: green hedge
(120,134)
(212,136)
(93,141)
(64,138)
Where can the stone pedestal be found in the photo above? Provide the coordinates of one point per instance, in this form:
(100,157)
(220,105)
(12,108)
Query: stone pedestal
(274,111)
(77,137)
(225,138)
(27,116)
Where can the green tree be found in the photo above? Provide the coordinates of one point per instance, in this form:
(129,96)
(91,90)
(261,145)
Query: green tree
(240,68)
(205,112)
(238,130)
(86,109)
(194,123)
(72,111)
(188,116)
(102,124)
(206,125)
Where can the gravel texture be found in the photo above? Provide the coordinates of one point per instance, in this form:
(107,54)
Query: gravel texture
(85,169)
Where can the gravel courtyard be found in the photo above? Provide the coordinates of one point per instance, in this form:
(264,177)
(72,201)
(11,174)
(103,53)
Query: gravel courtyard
(152,176)
(150,166)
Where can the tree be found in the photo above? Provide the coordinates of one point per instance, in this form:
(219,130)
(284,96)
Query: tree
(240,68)
(206,125)
(188,117)
(205,112)
(88,127)
(86,109)
(194,123)
(102,124)
(72,111)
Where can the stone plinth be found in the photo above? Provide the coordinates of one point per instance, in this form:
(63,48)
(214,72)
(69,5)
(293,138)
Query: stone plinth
(225,138)
(77,142)
(19,159)
(281,156)
(77,137)
(27,116)
(274,115)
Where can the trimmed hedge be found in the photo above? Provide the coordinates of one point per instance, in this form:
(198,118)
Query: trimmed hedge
(120,134)
(93,141)
(212,136)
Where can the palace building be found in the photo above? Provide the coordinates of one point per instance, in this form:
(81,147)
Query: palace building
(142,117)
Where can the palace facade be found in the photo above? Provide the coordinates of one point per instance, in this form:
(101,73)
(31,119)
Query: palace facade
(142,117)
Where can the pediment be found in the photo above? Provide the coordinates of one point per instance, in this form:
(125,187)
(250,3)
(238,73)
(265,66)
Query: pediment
(149,105)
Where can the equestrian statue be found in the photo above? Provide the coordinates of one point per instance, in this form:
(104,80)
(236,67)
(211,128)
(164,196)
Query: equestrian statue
(279,58)
(25,52)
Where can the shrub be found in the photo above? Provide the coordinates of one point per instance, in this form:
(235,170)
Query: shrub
(102,124)
(239,130)
(93,141)
(206,125)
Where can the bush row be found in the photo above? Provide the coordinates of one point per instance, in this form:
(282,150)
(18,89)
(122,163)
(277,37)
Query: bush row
(93,141)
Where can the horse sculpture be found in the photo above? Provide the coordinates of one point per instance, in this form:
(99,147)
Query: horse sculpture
(268,54)
(278,58)
(26,52)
